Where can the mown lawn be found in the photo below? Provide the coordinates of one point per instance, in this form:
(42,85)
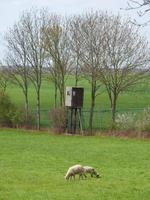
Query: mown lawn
(33,165)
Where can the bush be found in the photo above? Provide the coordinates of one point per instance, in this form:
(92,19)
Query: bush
(126,121)
(10,116)
(58,119)
(143,123)
(130,122)
(19,119)
(7,110)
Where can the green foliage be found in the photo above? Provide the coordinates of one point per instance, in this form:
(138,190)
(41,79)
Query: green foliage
(33,165)
(11,116)
(7,110)
(18,119)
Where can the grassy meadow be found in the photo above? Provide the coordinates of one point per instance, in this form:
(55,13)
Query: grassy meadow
(138,97)
(33,165)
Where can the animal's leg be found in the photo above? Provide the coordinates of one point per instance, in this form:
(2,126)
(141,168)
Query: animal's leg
(84,175)
(80,176)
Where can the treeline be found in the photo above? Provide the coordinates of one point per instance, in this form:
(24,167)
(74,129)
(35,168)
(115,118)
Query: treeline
(103,48)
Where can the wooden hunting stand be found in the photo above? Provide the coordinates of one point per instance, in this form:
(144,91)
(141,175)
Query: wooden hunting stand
(74,104)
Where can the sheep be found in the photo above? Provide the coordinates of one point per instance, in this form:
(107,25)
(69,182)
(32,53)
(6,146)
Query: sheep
(91,170)
(75,169)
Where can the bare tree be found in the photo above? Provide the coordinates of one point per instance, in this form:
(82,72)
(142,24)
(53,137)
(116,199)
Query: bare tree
(88,35)
(16,59)
(51,32)
(75,45)
(58,53)
(34,22)
(125,58)
(143,9)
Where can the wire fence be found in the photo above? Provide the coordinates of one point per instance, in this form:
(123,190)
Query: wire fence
(102,119)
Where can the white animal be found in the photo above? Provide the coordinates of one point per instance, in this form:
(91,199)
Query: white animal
(75,169)
(91,170)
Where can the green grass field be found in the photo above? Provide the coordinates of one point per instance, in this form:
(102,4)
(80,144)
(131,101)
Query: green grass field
(137,98)
(33,165)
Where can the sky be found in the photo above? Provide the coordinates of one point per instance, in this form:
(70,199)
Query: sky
(10,11)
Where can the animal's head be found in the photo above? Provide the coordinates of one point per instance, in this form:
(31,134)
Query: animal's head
(66,177)
(94,172)
(97,175)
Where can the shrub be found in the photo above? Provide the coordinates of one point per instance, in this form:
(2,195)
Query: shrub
(126,121)
(19,119)
(7,110)
(143,123)
(58,119)
(10,116)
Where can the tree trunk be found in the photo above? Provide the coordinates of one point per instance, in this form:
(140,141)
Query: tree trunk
(26,107)
(76,72)
(91,118)
(62,94)
(38,110)
(76,78)
(113,108)
(93,94)
(55,94)
(61,98)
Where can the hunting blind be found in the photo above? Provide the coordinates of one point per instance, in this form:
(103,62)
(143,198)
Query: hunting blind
(74,103)
(74,97)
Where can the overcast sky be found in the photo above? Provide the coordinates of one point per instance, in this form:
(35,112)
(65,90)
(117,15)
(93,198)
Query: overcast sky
(10,10)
